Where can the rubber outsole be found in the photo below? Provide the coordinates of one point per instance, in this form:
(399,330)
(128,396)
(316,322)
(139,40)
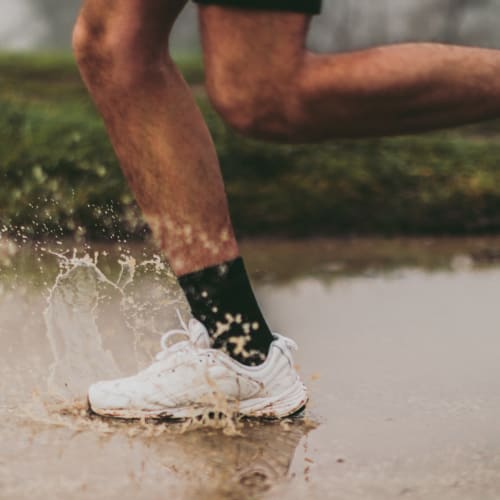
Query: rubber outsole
(196,413)
(211,414)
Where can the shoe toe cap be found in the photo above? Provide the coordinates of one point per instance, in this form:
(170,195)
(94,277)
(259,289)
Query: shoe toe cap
(106,396)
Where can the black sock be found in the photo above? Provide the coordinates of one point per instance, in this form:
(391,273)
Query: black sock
(221,297)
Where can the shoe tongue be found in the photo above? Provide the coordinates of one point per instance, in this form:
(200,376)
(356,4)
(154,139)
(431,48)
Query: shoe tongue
(198,334)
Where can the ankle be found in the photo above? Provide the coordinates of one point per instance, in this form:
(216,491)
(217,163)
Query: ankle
(221,297)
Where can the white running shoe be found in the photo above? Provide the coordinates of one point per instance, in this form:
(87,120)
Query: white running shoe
(189,378)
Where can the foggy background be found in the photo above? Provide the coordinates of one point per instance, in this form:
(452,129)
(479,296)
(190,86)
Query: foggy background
(344,24)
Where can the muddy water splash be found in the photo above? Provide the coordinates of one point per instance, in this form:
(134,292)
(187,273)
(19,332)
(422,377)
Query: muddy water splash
(88,312)
(79,355)
(101,328)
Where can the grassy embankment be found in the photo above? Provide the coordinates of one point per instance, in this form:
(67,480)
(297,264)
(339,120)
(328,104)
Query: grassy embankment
(59,173)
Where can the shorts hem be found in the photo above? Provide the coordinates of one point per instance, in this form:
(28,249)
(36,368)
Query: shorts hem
(303,6)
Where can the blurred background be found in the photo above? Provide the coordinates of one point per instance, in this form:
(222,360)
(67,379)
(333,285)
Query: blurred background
(60,175)
(344,24)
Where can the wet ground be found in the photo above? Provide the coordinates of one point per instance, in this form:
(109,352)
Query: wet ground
(399,345)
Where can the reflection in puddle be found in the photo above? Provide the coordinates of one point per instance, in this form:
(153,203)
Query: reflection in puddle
(232,466)
(153,458)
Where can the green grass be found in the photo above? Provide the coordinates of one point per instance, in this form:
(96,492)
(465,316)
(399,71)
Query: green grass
(58,172)
(54,77)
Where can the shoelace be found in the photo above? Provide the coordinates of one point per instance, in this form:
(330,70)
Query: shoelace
(165,348)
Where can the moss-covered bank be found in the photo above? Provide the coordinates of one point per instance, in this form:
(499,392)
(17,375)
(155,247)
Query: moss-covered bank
(58,172)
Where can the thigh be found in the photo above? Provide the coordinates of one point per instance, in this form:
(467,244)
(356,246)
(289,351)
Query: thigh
(240,44)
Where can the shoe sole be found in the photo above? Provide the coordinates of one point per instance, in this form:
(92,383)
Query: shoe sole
(156,417)
(289,404)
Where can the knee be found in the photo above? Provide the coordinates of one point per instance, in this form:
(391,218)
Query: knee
(267,109)
(109,55)
(92,49)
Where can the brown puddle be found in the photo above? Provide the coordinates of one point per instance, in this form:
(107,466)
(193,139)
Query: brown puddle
(399,348)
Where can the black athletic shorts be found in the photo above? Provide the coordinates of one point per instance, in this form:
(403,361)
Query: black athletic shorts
(305,6)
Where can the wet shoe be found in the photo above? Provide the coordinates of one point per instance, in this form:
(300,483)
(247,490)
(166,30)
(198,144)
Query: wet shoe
(189,378)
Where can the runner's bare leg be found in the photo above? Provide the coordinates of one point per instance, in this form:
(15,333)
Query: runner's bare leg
(266,84)
(158,133)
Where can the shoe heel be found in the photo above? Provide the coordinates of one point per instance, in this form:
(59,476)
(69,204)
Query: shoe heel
(291,402)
